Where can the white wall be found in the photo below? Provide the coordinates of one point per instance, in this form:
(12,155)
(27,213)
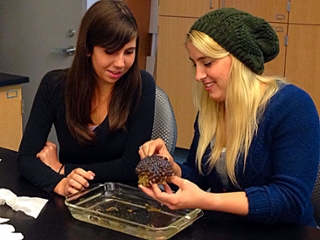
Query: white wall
(29,29)
(90,2)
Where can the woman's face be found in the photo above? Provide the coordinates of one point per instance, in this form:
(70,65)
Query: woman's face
(212,73)
(109,67)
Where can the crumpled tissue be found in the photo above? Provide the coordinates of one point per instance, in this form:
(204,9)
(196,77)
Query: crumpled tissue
(7,231)
(31,206)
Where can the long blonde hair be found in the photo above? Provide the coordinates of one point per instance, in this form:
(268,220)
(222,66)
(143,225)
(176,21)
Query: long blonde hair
(234,122)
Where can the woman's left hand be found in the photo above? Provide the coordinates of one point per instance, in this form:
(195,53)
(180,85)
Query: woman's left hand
(74,182)
(189,194)
(48,155)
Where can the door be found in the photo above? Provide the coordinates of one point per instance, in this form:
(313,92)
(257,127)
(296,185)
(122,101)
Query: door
(175,75)
(302,65)
(276,67)
(190,8)
(271,10)
(29,29)
(304,12)
(10,112)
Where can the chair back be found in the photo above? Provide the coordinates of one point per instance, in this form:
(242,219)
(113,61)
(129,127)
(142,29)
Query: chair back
(164,124)
(315,199)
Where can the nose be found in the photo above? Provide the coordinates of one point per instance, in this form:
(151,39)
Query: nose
(200,74)
(119,61)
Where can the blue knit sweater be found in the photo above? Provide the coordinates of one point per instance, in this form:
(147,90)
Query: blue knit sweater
(282,164)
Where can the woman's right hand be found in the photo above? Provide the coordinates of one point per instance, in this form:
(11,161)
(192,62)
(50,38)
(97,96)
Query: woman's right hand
(189,194)
(49,156)
(158,147)
(74,182)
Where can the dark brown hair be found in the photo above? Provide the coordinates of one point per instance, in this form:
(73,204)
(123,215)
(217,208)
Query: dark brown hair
(111,25)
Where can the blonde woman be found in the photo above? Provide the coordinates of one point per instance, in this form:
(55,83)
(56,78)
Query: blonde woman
(256,138)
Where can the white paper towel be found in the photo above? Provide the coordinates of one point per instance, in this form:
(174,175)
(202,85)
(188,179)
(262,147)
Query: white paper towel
(7,231)
(31,206)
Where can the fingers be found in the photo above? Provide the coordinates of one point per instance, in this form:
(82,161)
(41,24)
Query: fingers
(175,180)
(69,190)
(92,175)
(167,188)
(87,175)
(142,152)
(151,147)
(157,191)
(167,198)
(172,200)
(78,179)
(147,149)
(153,191)
(178,181)
(51,144)
(78,182)
(146,190)
(49,148)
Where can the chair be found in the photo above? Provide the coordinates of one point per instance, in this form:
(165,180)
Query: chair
(315,199)
(164,124)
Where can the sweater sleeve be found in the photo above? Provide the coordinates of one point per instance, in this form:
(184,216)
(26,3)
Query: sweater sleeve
(36,132)
(292,126)
(140,123)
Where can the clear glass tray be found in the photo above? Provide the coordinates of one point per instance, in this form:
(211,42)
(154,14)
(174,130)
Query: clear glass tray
(129,210)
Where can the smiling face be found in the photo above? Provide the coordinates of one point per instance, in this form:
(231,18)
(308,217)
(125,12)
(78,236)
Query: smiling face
(111,66)
(212,73)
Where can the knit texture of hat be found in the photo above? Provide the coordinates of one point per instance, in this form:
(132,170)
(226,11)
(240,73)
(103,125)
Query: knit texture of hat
(250,39)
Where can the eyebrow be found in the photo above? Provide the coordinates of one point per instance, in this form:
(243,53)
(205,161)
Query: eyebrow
(200,58)
(131,48)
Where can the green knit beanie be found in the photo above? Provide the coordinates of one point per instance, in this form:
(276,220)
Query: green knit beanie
(250,39)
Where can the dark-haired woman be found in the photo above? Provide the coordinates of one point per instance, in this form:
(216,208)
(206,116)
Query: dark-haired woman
(102,108)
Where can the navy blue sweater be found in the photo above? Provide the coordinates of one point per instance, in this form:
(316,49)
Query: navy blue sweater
(282,164)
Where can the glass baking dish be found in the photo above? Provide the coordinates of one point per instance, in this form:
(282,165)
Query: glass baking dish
(127,209)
